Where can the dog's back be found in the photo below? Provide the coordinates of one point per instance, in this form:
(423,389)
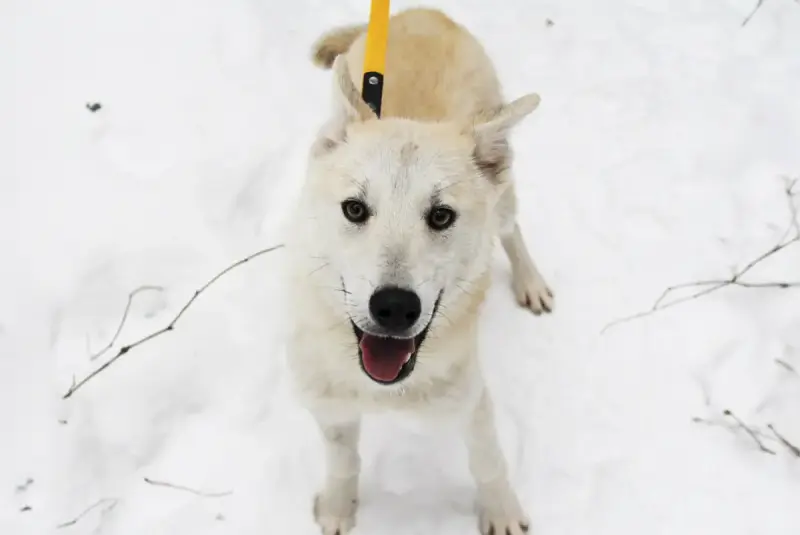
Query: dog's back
(435,69)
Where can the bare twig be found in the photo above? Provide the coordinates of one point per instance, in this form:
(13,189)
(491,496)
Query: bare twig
(790,237)
(187,489)
(124,318)
(794,222)
(791,447)
(749,431)
(24,486)
(755,10)
(111,501)
(786,366)
(170,326)
(757,435)
(730,426)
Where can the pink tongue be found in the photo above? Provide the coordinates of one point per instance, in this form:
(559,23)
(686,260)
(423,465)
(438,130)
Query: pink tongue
(384,357)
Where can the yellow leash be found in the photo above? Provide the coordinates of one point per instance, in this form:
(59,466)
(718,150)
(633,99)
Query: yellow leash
(375,55)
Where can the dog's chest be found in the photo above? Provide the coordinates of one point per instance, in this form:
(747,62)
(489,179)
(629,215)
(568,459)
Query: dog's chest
(355,393)
(327,374)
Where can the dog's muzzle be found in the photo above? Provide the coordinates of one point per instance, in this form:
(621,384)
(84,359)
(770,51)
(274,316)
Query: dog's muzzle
(390,357)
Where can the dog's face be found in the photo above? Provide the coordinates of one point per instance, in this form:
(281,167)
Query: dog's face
(403,221)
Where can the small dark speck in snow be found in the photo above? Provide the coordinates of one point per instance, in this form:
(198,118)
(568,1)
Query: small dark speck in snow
(24,486)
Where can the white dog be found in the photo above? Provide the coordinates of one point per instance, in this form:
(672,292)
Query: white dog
(390,252)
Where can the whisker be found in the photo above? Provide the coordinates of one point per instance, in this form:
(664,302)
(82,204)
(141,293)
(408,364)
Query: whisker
(467,292)
(338,323)
(332,288)
(323,266)
(365,279)
(440,188)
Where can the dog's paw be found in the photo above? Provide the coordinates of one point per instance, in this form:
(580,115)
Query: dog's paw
(500,513)
(335,513)
(532,292)
(504,526)
(499,522)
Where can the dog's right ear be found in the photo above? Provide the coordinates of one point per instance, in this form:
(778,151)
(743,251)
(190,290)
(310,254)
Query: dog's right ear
(490,134)
(348,108)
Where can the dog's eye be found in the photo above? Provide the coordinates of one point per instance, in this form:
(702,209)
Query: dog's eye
(441,218)
(355,211)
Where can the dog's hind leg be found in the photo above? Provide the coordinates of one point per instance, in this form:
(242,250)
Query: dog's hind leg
(499,510)
(530,288)
(335,505)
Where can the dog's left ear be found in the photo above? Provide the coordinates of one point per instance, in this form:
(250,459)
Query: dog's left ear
(492,152)
(348,108)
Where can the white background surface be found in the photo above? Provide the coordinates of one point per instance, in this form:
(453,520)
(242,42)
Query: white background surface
(655,158)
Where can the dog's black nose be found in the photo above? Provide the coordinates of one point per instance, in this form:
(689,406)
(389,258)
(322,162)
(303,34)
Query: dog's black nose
(395,309)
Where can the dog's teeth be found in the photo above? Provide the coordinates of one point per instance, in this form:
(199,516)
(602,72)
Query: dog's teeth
(408,357)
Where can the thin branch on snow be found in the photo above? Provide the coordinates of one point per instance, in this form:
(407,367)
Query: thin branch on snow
(755,10)
(124,319)
(790,237)
(187,489)
(791,447)
(24,486)
(124,350)
(730,426)
(757,435)
(794,222)
(749,431)
(735,425)
(786,366)
(112,502)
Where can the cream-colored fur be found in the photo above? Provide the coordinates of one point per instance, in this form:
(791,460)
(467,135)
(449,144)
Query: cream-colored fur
(442,139)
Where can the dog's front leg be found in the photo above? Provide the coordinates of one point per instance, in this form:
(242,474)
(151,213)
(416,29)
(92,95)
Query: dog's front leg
(335,505)
(530,288)
(499,510)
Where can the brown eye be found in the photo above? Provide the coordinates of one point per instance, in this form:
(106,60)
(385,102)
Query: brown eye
(441,218)
(355,211)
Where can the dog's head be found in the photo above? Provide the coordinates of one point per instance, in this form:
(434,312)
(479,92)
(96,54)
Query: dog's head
(401,216)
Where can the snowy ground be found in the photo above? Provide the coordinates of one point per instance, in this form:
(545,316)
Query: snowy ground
(656,158)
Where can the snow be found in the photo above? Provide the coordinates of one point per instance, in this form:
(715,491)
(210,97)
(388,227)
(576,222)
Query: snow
(656,158)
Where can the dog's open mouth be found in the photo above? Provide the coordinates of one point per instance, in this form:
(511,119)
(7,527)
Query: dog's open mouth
(387,360)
